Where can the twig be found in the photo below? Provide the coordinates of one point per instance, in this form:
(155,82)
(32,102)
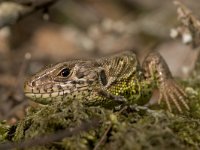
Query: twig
(189,29)
(97,146)
(51,137)
(18,90)
(103,138)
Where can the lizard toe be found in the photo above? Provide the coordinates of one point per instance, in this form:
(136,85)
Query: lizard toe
(173,94)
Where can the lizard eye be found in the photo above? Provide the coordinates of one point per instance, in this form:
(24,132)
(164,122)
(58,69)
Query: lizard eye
(65,72)
(103,78)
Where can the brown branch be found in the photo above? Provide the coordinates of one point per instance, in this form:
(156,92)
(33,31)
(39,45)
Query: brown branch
(13,11)
(42,140)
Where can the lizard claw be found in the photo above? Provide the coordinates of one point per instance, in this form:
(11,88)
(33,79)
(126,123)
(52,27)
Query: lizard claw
(171,92)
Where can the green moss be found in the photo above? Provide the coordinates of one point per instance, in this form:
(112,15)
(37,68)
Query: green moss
(4,129)
(133,128)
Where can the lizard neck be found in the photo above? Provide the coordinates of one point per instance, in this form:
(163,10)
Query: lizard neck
(132,88)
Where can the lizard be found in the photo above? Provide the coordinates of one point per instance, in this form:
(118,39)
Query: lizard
(108,81)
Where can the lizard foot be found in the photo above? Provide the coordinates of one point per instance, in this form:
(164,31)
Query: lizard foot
(171,92)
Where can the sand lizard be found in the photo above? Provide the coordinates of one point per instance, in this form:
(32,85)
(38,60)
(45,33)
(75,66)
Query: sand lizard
(106,81)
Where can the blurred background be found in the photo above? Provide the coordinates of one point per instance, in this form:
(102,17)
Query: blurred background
(36,33)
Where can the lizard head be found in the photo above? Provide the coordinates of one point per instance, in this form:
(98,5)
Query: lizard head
(68,80)
(81,79)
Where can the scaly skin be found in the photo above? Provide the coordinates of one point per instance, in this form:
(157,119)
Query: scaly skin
(107,81)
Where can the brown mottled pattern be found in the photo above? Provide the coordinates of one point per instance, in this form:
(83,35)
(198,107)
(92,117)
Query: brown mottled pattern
(97,81)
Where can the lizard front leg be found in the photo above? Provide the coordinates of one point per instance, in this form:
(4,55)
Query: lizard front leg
(156,70)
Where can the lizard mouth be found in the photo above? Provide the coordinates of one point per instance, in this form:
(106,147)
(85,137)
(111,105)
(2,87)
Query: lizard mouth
(36,93)
(46,95)
(42,98)
(46,98)
(40,92)
(41,95)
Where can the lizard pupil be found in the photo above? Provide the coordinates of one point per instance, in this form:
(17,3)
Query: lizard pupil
(65,72)
(103,77)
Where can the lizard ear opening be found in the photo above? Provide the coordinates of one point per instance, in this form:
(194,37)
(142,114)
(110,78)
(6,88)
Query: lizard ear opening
(103,77)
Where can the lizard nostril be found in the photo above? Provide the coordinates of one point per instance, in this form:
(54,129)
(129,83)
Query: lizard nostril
(33,83)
